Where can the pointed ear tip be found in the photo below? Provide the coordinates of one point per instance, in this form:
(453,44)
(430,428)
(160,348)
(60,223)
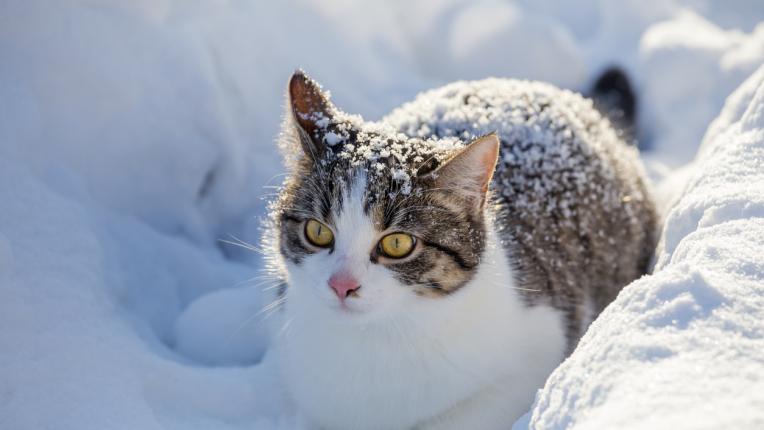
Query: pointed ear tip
(299,74)
(302,86)
(491,143)
(298,79)
(492,137)
(301,82)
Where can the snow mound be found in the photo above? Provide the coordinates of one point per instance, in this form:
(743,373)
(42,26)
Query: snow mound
(682,348)
(224,328)
(672,54)
(89,302)
(134,135)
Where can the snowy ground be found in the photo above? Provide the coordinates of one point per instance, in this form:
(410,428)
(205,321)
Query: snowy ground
(136,134)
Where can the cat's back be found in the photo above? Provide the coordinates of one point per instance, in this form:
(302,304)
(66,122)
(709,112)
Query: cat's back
(572,206)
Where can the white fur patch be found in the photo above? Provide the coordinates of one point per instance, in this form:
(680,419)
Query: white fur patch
(393,359)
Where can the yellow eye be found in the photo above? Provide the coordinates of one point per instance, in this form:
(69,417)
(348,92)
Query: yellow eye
(397,245)
(318,234)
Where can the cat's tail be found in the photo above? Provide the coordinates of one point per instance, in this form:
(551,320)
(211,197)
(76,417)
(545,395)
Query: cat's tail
(614,96)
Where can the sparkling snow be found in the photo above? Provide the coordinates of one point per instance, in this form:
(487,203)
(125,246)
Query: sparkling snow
(137,141)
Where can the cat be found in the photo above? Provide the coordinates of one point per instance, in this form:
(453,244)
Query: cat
(440,263)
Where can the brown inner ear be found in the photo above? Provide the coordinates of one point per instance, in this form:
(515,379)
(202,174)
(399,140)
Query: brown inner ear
(309,103)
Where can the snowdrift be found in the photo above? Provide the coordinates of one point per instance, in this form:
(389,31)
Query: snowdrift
(135,135)
(682,348)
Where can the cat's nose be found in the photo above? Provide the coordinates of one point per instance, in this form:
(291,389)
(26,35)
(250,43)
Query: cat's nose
(344,285)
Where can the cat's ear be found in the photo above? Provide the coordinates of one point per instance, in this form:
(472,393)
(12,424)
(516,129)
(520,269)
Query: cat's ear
(469,171)
(311,111)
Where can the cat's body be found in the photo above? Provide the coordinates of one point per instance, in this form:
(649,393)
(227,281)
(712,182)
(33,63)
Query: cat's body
(495,287)
(574,214)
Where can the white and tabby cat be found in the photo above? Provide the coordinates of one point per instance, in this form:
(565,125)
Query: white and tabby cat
(439,264)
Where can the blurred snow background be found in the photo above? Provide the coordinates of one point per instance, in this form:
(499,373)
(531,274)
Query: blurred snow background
(136,134)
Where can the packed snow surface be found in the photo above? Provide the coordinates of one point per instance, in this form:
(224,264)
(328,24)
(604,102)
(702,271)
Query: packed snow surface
(683,348)
(137,144)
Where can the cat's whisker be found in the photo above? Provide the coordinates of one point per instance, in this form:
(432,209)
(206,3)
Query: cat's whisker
(284,330)
(269,284)
(276,176)
(242,244)
(273,306)
(266,274)
(263,274)
(275,286)
(267,309)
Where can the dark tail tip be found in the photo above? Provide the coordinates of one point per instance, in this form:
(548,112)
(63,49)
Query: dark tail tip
(613,96)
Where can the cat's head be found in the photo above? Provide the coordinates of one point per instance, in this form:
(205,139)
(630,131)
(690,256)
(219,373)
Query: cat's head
(370,220)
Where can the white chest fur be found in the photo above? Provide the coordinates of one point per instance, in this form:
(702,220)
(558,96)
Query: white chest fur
(473,358)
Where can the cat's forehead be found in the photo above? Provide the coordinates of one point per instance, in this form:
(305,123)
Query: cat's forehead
(370,166)
(379,193)
(339,188)
(384,157)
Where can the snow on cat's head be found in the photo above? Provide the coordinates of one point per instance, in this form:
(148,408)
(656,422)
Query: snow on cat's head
(370,221)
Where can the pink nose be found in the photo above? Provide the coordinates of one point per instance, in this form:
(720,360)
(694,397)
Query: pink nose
(344,285)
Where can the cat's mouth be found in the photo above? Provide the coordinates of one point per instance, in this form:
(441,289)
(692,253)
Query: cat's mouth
(352,307)
(347,308)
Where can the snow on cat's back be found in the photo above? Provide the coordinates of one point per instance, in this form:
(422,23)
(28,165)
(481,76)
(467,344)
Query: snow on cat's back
(569,191)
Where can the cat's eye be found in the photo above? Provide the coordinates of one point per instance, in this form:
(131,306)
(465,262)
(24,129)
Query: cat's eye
(318,234)
(397,245)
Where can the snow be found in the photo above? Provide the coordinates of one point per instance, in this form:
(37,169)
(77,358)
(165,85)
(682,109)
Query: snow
(682,348)
(538,116)
(674,54)
(224,328)
(138,138)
